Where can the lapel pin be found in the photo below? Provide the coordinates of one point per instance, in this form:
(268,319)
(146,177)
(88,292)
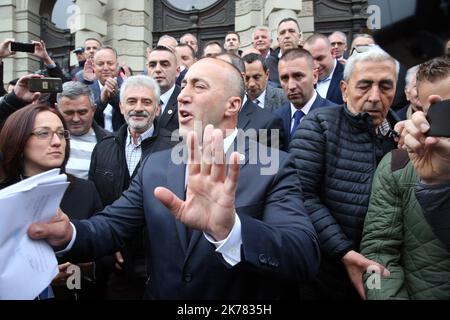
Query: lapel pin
(170,112)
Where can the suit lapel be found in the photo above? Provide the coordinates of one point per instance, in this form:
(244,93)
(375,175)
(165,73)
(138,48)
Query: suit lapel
(244,115)
(171,109)
(176,183)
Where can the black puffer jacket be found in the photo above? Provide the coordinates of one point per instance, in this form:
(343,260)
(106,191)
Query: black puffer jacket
(337,154)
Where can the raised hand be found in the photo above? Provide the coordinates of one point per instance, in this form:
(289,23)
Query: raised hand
(23,93)
(110,89)
(430,156)
(210,196)
(40,51)
(5,49)
(88,71)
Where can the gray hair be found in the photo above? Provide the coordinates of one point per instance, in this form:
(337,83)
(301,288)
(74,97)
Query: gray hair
(409,75)
(340,34)
(140,81)
(261,28)
(73,90)
(375,54)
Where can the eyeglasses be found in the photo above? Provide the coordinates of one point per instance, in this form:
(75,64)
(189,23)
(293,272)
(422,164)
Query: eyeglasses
(47,134)
(337,44)
(363,48)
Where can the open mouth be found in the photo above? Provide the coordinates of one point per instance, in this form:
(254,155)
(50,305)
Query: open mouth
(184,116)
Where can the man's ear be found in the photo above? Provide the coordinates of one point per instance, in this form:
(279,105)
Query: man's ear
(122,108)
(94,108)
(233,106)
(158,110)
(344,90)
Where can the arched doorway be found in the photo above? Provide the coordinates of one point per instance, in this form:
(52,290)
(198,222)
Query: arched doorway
(206,19)
(54,17)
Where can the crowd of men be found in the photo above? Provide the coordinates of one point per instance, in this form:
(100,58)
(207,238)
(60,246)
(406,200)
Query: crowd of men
(358,187)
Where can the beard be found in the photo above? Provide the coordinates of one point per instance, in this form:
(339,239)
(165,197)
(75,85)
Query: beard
(139,125)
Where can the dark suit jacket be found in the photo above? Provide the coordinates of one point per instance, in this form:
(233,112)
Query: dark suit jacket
(117,118)
(274,98)
(272,65)
(180,78)
(285,114)
(253,117)
(279,242)
(334,92)
(169,119)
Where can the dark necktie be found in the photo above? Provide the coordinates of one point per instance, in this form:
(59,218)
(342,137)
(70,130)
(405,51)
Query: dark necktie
(298,115)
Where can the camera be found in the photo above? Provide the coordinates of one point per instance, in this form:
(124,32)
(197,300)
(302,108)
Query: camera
(45,85)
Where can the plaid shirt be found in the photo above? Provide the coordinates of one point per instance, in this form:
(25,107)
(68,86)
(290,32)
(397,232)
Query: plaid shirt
(133,152)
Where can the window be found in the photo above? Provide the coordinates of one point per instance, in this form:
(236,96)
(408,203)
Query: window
(62,12)
(191,5)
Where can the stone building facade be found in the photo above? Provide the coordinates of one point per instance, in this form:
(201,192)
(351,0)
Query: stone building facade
(129,25)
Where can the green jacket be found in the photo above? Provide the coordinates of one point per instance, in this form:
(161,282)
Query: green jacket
(397,236)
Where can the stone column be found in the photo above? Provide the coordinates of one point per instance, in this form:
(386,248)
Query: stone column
(128,30)
(7,27)
(277,10)
(249,14)
(88,20)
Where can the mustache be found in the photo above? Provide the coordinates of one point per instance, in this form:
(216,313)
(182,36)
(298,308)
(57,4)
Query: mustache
(139,114)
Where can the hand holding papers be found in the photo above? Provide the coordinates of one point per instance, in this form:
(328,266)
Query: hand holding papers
(27,266)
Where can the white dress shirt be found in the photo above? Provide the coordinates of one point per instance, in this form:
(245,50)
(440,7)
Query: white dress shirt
(323,85)
(107,113)
(165,97)
(306,108)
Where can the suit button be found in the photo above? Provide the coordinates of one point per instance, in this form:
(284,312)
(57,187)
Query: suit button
(262,259)
(187,278)
(273,263)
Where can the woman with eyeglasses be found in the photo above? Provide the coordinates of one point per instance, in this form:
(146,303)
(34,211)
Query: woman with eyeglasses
(34,140)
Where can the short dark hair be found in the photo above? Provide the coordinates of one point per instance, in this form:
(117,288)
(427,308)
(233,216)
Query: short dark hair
(287,20)
(253,57)
(434,70)
(167,49)
(234,32)
(14,136)
(298,53)
(317,36)
(185,45)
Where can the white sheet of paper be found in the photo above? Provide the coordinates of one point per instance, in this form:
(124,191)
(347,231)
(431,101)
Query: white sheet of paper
(27,267)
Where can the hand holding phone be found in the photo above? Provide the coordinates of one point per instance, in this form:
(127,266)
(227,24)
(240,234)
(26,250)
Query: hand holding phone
(45,85)
(22,47)
(438,116)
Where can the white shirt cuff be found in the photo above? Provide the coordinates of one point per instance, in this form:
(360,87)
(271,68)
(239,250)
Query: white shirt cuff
(230,248)
(70,245)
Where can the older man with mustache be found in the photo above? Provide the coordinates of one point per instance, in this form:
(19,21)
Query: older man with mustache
(337,150)
(116,160)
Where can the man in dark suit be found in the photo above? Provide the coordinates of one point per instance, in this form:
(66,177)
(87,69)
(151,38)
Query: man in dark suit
(256,80)
(106,89)
(331,72)
(162,65)
(298,77)
(251,236)
(252,117)
(289,37)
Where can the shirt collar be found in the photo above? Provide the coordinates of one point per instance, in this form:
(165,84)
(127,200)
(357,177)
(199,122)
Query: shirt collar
(262,98)
(330,76)
(228,141)
(165,97)
(147,134)
(307,107)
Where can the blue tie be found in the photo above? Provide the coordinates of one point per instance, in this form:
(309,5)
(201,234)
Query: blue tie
(298,115)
